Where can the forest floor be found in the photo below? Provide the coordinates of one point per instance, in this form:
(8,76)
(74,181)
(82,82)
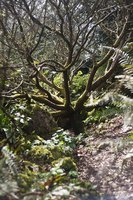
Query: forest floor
(95,165)
(105,158)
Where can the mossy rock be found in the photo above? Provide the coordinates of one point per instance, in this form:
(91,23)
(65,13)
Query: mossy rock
(40,155)
(41,122)
(66,163)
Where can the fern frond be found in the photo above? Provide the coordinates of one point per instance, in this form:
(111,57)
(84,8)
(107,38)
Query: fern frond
(10,160)
(125,58)
(126,61)
(127,81)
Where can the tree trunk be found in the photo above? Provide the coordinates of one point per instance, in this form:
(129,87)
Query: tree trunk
(72,121)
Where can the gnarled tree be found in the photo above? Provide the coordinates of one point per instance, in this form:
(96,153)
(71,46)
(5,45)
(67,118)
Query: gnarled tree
(45,40)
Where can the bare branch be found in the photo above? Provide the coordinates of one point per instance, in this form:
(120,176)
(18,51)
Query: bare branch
(14,89)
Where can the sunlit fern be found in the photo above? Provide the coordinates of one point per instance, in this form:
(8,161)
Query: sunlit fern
(126,61)
(10,160)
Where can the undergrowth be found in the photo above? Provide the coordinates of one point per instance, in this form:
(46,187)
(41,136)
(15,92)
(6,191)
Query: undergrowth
(102,114)
(42,169)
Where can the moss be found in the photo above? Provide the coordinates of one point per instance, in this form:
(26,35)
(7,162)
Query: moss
(56,152)
(41,122)
(40,155)
(66,163)
(25,181)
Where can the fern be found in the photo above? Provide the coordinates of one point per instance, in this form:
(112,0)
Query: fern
(8,190)
(126,61)
(125,58)
(127,81)
(10,160)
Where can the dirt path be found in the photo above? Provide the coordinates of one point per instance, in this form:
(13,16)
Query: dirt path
(106,160)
